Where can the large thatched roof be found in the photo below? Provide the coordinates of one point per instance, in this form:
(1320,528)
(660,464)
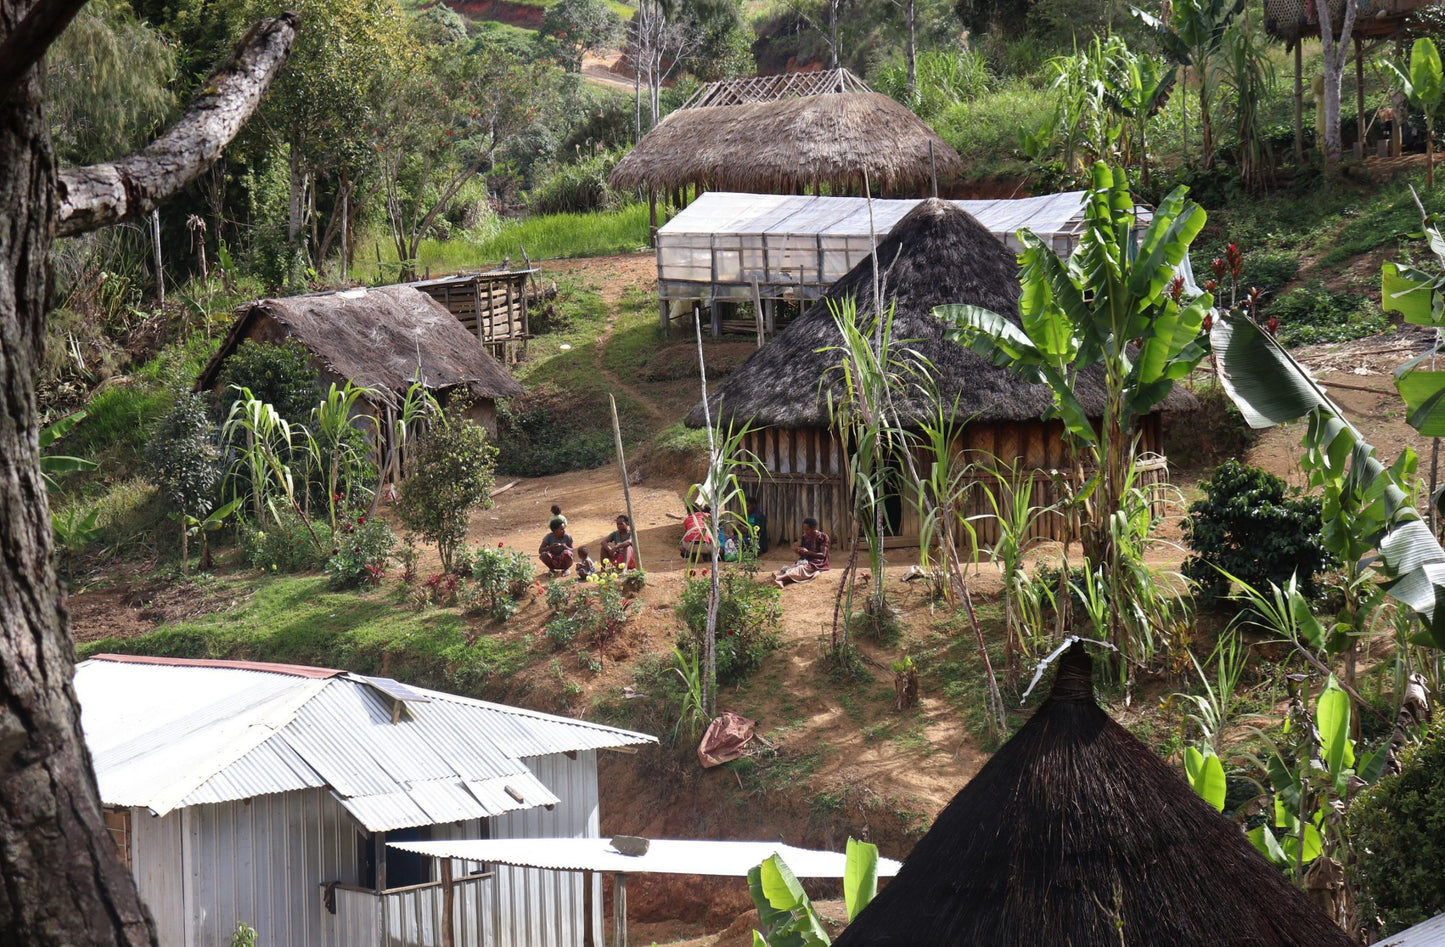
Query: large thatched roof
(786,144)
(937,254)
(1076,833)
(378,338)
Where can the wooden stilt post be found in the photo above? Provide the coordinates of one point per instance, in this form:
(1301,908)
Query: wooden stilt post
(1299,104)
(1360,99)
(449,936)
(626,490)
(588,938)
(619,911)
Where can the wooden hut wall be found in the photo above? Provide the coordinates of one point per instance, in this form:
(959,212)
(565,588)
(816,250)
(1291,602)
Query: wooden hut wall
(494,308)
(806,475)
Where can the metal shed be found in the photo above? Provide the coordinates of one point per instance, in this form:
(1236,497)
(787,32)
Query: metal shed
(726,248)
(265,794)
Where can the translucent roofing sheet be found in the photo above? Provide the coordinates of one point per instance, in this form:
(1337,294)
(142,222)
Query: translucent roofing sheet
(165,736)
(726,212)
(664,856)
(1429,933)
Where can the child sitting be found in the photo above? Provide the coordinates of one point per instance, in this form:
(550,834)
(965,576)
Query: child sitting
(585,566)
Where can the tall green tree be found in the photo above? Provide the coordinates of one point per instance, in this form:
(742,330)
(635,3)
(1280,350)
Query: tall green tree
(1193,35)
(1109,308)
(1424,87)
(578,27)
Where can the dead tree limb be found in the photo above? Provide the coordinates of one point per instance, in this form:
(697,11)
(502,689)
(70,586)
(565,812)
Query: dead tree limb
(103,194)
(33,35)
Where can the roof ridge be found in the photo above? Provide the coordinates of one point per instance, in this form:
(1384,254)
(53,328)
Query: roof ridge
(267,667)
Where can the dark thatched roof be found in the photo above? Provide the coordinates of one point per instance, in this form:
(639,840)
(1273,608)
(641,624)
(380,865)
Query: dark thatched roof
(937,254)
(787,145)
(377,338)
(1076,833)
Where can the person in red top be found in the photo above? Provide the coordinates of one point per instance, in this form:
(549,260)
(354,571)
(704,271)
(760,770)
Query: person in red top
(556,549)
(696,535)
(812,550)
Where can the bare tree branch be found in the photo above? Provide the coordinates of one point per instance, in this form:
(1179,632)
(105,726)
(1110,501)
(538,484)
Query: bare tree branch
(103,194)
(33,35)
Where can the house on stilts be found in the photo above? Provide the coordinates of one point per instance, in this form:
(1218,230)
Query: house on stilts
(1076,833)
(266,795)
(936,255)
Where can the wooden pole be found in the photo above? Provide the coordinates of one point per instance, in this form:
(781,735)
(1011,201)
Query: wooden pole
(449,937)
(1360,99)
(1299,103)
(626,490)
(758,313)
(160,271)
(619,911)
(588,939)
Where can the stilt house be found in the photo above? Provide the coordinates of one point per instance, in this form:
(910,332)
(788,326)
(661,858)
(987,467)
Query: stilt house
(937,254)
(266,794)
(1076,833)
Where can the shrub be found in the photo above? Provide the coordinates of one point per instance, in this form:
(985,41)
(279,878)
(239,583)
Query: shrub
(537,444)
(503,577)
(1400,824)
(591,613)
(449,473)
(279,374)
(285,546)
(748,611)
(1269,269)
(182,459)
(362,548)
(578,188)
(1314,314)
(1252,525)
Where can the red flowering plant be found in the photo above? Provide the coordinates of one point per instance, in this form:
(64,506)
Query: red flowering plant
(362,549)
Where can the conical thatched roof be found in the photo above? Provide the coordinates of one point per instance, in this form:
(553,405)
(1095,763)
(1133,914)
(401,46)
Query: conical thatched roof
(937,254)
(377,338)
(1076,833)
(789,144)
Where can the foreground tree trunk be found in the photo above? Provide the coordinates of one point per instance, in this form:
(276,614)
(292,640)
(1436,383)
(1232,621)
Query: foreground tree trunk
(62,884)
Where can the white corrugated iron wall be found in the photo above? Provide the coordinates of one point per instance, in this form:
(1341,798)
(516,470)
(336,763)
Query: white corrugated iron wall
(155,858)
(537,908)
(261,862)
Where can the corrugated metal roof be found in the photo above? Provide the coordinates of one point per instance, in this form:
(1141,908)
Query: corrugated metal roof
(170,735)
(1429,933)
(664,856)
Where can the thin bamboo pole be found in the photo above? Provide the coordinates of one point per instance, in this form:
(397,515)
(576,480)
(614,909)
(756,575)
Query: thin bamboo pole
(626,490)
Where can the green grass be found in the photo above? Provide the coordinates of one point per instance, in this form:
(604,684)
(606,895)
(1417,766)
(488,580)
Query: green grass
(544,237)
(984,131)
(301,620)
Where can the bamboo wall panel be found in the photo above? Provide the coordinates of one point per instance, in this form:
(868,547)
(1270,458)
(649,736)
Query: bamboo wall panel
(805,474)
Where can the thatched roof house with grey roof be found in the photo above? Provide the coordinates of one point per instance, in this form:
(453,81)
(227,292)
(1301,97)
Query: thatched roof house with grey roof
(788,134)
(937,254)
(1075,833)
(382,339)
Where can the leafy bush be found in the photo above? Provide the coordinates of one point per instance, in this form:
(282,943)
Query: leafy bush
(285,546)
(536,443)
(182,459)
(279,374)
(591,613)
(450,472)
(1268,269)
(1314,314)
(945,78)
(748,611)
(1252,525)
(362,547)
(578,188)
(1400,823)
(503,577)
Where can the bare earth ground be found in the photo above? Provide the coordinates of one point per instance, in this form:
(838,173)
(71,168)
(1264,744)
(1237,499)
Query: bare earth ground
(885,790)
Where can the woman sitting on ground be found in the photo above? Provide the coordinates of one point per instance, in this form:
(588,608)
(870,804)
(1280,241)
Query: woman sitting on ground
(696,534)
(618,547)
(556,549)
(812,550)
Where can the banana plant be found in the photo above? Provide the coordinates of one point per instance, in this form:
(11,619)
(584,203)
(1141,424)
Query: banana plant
(202,527)
(784,910)
(1368,513)
(1115,304)
(1424,86)
(51,464)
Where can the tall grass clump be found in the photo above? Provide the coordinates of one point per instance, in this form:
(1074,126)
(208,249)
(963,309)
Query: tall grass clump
(576,188)
(945,78)
(984,130)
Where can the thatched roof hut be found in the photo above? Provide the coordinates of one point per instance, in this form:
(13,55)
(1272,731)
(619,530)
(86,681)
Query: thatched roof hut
(381,338)
(781,141)
(1076,833)
(937,254)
